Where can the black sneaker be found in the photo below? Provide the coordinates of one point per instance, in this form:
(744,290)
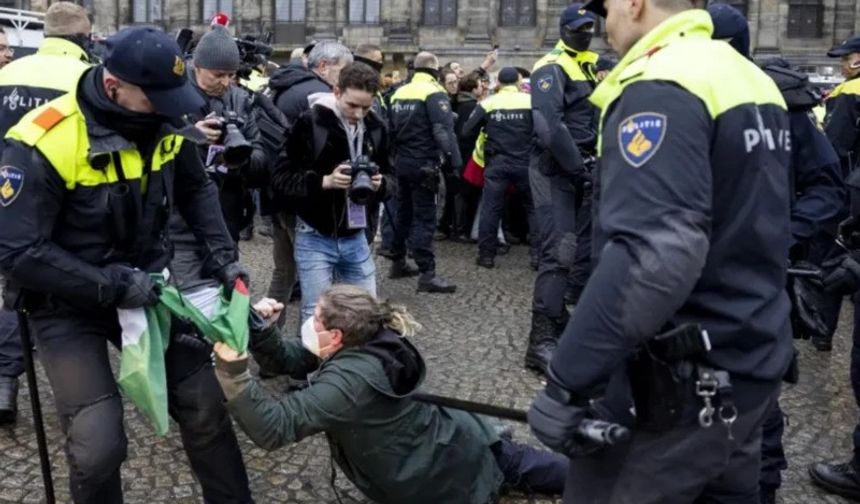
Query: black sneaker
(385,252)
(822,344)
(247,234)
(486,262)
(429,282)
(401,269)
(839,479)
(503,249)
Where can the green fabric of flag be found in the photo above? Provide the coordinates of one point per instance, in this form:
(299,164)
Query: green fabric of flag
(146,335)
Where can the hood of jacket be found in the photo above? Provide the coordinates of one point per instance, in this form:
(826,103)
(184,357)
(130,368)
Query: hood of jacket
(403,366)
(290,75)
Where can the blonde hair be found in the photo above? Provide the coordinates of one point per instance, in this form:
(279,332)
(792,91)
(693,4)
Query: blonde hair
(360,316)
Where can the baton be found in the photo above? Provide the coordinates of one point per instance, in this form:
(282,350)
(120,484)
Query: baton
(804,273)
(599,431)
(38,423)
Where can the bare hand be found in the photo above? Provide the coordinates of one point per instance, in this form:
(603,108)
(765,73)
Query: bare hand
(376,180)
(269,309)
(490,59)
(227,354)
(211,127)
(339,178)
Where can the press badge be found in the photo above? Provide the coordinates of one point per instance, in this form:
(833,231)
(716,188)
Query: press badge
(356,215)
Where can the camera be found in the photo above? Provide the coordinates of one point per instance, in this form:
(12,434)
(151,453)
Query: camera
(237,149)
(253,53)
(361,187)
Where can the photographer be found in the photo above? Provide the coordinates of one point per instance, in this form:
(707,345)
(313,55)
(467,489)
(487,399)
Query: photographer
(393,448)
(235,156)
(333,162)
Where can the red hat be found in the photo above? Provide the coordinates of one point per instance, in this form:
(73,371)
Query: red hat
(220,19)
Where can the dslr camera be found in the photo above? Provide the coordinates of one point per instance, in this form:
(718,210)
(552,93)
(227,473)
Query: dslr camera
(237,149)
(361,187)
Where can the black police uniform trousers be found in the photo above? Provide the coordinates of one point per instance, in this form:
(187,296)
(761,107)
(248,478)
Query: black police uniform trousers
(580,270)
(554,200)
(72,345)
(688,464)
(416,216)
(497,179)
(11,351)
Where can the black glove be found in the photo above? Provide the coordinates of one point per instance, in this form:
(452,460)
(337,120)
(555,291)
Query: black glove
(134,288)
(842,274)
(228,275)
(555,421)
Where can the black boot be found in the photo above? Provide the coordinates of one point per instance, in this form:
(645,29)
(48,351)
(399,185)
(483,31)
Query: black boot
(839,479)
(247,234)
(8,400)
(486,262)
(542,342)
(401,269)
(429,282)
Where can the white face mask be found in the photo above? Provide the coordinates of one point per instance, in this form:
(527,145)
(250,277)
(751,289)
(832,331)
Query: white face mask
(310,337)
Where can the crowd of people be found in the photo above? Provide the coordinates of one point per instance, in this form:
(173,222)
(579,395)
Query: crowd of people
(683,227)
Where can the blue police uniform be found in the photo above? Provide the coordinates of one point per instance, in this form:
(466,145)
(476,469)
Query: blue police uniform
(24,85)
(565,132)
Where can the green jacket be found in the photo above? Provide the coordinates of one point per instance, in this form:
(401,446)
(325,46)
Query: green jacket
(393,448)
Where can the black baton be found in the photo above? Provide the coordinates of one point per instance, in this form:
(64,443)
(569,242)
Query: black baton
(38,422)
(599,431)
(804,273)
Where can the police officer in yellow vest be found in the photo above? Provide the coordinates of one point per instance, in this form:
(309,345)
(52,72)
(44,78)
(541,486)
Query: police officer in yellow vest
(25,84)
(505,119)
(690,166)
(565,127)
(86,187)
(843,105)
(422,135)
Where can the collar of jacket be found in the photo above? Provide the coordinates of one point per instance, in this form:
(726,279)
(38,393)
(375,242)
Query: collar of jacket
(508,88)
(579,57)
(424,77)
(694,23)
(328,117)
(61,47)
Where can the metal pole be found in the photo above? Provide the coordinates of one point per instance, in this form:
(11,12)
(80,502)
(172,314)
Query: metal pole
(38,422)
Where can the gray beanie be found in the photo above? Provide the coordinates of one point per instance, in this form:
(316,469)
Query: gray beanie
(217,51)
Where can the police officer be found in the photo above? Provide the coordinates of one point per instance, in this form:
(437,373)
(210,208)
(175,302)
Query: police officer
(566,136)
(842,273)
(422,130)
(690,166)
(24,85)
(819,197)
(90,179)
(506,120)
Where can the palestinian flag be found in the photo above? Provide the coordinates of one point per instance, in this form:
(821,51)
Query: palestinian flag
(146,334)
(142,375)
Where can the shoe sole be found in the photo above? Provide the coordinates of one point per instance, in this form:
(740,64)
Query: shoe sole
(486,266)
(535,365)
(403,275)
(829,487)
(433,290)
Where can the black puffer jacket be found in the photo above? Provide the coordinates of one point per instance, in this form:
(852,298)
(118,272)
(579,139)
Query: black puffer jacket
(292,86)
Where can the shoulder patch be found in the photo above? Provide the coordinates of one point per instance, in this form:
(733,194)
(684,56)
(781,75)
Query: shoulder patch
(640,137)
(544,84)
(48,118)
(11,183)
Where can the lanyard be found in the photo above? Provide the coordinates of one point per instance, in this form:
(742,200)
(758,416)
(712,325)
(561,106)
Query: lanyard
(355,140)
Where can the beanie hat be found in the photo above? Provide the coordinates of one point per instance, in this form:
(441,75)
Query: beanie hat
(66,18)
(217,51)
(732,26)
(508,75)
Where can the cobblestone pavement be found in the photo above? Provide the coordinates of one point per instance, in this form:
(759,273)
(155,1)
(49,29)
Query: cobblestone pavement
(473,343)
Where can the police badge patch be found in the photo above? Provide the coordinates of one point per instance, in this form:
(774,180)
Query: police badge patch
(545,83)
(11,182)
(640,137)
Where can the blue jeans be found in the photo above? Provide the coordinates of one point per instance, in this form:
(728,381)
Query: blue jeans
(325,260)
